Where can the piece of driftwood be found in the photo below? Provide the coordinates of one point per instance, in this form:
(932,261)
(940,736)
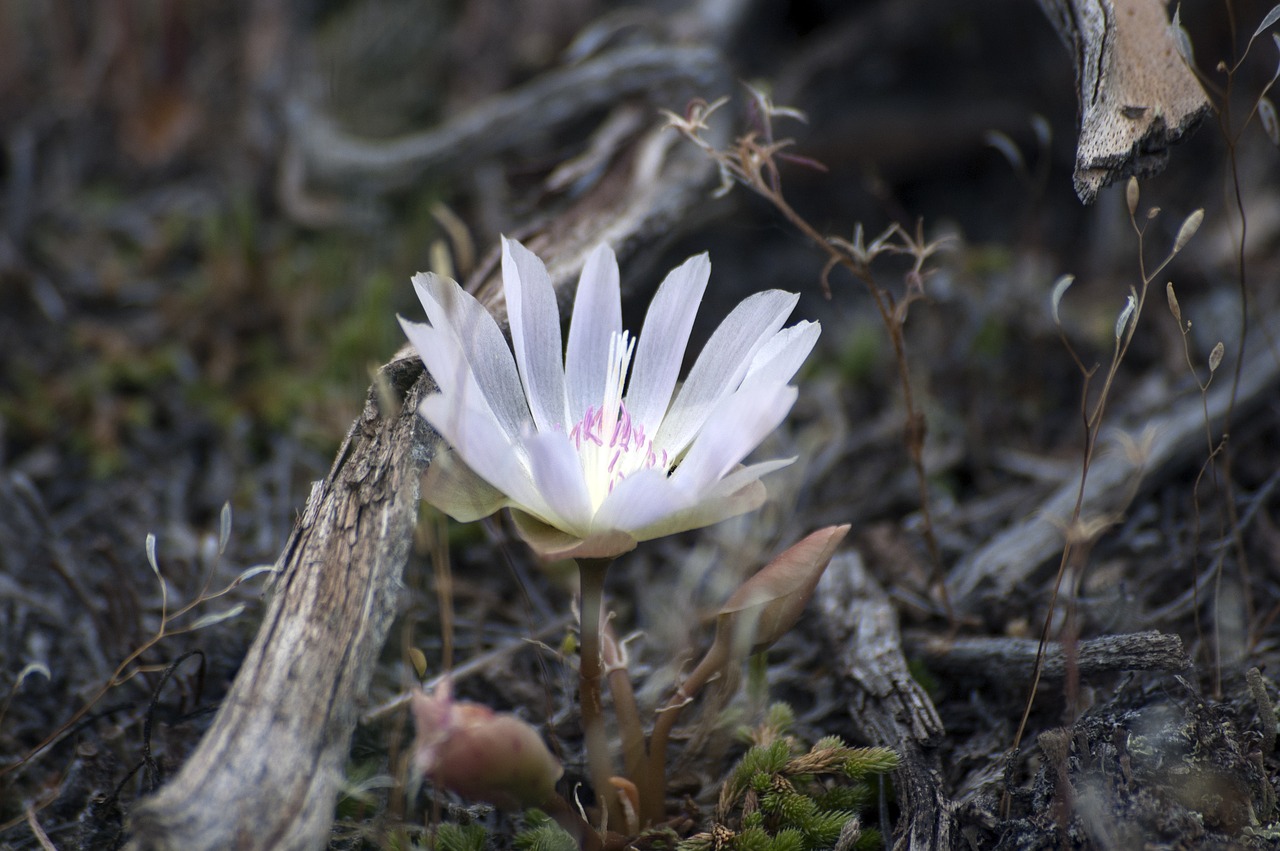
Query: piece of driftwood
(888,707)
(1010,661)
(266,774)
(1015,554)
(1137,95)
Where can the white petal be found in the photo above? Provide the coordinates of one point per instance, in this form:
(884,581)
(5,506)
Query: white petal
(723,363)
(442,355)
(781,357)
(535,333)
(711,509)
(642,499)
(597,317)
(660,350)
(557,474)
(454,488)
(651,509)
(482,444)
(451,308)
(736,427)
(743,476)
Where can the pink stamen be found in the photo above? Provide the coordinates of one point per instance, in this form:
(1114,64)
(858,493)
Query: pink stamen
(630,448)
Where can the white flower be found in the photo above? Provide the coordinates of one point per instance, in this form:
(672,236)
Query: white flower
(589,462)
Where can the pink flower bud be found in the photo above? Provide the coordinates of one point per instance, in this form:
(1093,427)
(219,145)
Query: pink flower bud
(481,754)
(770,602)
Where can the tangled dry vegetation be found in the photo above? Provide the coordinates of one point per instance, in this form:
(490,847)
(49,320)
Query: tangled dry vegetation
(211,214)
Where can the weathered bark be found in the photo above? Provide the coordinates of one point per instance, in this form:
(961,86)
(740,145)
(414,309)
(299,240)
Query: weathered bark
(887,705)
(266,773)
(1137,95)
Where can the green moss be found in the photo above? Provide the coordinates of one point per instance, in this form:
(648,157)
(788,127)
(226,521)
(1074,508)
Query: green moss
(804,799)
(543,834)
(460,837)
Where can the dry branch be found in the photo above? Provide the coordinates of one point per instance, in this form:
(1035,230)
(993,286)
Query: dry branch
(1137,95)
(888,707)
(1010,661)
(1015,554)
(266,774)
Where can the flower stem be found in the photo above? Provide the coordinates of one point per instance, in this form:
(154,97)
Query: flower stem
(653,791)
(625,710)
(591,574)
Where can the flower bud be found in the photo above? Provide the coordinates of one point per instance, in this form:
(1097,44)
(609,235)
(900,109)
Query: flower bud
(770,602)
(481,754)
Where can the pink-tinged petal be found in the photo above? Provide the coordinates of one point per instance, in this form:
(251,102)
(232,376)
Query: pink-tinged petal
(481,754)
(454,488)
(723,363)
(455,311)
(780,358)
(660,349)
(553,543)
(736,427)
(557,474)
(597,318)
(535,333)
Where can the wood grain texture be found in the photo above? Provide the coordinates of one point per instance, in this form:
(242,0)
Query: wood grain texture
(888,707)
(1010,662)
(267,772)
(1137,95)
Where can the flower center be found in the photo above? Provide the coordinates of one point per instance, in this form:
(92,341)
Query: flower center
(610,445)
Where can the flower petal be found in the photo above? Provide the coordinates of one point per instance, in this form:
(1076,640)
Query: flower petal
(781,357)
(642,499)
(723,363)
(660,349)
(710,509)
(657,507)
(652,505)
(551,542)
(535,333)
(557,474)
(481,443)
(444,358)
(450,307)
(740,477)
(597,317)
(736,427)
(454,488)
